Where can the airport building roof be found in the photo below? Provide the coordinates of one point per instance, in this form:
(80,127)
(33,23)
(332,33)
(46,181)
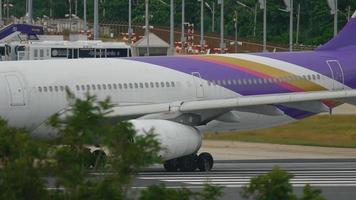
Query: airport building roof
(154,41)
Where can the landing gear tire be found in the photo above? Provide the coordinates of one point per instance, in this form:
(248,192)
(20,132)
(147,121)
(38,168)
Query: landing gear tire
(89,158)
(171,165)
(188,163)
(205,162)
(99,159)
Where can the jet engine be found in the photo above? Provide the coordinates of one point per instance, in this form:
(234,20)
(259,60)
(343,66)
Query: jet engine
(176,139)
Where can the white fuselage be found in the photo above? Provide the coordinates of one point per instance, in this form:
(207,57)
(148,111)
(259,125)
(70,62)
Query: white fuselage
(32,92)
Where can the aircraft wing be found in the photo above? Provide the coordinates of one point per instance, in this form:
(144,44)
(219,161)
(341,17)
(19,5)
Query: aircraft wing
(263,104)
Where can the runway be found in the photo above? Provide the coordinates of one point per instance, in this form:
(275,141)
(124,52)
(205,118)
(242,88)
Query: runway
(336,177)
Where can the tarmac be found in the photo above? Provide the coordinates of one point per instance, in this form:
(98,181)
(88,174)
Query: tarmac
(226,150)
(333,170)
(335,177)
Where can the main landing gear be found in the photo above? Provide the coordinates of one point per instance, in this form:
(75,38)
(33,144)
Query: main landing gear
(203,162)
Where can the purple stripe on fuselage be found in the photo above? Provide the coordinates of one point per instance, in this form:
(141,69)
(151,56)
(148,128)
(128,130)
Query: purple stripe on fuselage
(316,61)
(213,71)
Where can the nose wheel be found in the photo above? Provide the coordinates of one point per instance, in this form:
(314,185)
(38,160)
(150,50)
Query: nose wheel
(204,162)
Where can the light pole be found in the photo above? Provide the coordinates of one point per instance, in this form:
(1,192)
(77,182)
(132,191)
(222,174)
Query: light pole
(202,42)
(263,5)
(335,17)
(182,39)
(171,24)
(255,21)
(212,10)
(85,16)
(1,20)
(147,29)
(171,45)
(76,7)
(96,20)
(289,8)
(50,9)
(30,11)
(8,5)
(235,20)
(222,44)
(8,9)
(104,9)
(129,31)
(333,4)
(70,16)
(291,26)
(298,24)
(254,11)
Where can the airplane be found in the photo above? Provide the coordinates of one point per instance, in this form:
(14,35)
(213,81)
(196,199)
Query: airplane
(183,97)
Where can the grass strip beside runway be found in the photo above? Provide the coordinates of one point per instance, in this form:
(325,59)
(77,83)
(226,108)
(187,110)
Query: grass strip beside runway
(321,130)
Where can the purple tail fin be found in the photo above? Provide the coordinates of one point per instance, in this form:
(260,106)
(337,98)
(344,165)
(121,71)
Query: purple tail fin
(346,37)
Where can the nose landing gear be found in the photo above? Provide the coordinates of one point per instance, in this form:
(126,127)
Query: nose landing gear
(203,162)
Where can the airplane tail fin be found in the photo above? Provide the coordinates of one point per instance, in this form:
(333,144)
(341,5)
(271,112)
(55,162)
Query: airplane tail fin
(346,37)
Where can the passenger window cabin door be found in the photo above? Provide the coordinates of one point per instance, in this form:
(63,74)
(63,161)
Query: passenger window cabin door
(337,74)
(198,83)
(16,89)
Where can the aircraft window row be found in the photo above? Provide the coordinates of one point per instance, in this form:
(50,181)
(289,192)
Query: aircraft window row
(121,86)
(118,86)
(255,81)
(52,88)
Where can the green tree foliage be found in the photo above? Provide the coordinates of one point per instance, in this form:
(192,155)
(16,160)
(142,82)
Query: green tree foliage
(310,193)
(87,125)
(211,192)
(316,23)
(22,165)
(25,162)
(276,185)
(271,186)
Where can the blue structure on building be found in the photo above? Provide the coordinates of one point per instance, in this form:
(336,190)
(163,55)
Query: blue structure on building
(30,30)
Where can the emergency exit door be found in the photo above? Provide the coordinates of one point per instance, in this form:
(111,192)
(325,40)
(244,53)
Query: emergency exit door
(198,83)
(16,90)
(337,74)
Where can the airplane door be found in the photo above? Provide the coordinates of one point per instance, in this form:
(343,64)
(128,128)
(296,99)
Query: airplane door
(337,74)
(16,90)
(198,82)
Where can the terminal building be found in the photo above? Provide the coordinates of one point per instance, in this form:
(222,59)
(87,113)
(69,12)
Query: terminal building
(28,42)
(46,50)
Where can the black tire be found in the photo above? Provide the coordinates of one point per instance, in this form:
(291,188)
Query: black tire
(171,165)
(89,158)
(100,159)
(188,163)
(205,162)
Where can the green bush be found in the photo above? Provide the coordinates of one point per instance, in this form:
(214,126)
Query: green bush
(25,162)
(276,185)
